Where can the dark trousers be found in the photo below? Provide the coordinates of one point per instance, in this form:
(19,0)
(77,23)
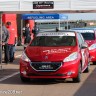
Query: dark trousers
(11,52)
(27,39)
(6,53)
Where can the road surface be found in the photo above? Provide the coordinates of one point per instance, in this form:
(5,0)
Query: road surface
(11,85)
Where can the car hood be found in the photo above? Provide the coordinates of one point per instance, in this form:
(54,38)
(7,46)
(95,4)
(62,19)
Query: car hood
(90,42)
(49,54)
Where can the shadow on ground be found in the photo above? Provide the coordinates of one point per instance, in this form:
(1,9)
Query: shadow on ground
(89,86)
(15,80)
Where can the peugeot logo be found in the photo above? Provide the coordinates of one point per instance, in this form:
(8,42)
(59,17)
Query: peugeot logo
(46,57)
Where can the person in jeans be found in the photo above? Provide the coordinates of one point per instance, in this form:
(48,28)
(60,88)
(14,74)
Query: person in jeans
(11,41)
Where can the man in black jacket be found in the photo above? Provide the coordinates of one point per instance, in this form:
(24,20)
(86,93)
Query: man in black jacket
(35,30)
(27,35)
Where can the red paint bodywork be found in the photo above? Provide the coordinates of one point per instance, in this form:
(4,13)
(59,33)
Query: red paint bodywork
(55,54)
(93,51)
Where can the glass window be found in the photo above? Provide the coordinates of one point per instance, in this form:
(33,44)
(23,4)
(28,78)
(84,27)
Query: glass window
(80,39)
(88,36)
(54,41)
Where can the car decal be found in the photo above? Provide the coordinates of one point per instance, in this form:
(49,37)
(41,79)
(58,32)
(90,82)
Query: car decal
(83,57)
(57,51)
(57,34)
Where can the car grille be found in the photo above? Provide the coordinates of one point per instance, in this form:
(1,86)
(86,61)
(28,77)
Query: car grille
(45,66)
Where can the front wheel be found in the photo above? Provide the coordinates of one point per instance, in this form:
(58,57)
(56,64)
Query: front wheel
(78,78)
(94,63)
(24,79)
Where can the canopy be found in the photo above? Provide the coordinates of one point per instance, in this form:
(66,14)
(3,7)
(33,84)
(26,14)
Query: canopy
(44,16)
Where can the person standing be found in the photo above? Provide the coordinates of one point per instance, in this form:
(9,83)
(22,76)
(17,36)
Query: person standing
(5,37)
(11,41)
(27,35)
(14,47)
(57,29)
(35,30)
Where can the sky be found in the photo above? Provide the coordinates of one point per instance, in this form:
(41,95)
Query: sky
(81,16)
(78,16)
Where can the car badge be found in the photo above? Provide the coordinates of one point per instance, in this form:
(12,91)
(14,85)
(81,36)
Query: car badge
(46,57)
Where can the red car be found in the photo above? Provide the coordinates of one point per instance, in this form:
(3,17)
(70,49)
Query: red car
(89,35)
(57,55)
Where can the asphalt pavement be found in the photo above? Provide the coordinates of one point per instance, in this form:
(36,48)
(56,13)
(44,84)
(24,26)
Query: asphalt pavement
(11,85)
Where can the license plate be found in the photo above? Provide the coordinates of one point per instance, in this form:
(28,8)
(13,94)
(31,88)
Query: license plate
(45,67)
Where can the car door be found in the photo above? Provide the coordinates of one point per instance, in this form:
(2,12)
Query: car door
(84,51)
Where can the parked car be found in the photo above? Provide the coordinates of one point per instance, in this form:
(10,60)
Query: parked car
(57,55)
(89,35)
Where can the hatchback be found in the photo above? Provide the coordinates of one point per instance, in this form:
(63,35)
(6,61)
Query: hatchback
(89,35)
(55,55)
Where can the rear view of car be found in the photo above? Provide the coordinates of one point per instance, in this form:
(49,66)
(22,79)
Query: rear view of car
(89,35)
(56,55)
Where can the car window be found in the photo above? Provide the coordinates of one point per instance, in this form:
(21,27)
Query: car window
(54,41)
(88,36)
(80,39)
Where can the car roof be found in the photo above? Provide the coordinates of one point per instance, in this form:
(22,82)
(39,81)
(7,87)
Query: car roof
(83,30)
(59,33)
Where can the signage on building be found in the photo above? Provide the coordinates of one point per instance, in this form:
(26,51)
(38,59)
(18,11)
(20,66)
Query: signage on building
(40,16)
(43,4)
(44,16)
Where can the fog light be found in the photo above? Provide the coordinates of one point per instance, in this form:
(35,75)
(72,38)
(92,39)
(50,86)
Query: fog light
(69,73)
(24,72)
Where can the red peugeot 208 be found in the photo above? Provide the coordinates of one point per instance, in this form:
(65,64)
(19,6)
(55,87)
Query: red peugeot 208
(89,35)
(57,55)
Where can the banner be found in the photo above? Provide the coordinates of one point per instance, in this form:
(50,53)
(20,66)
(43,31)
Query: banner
(44,16)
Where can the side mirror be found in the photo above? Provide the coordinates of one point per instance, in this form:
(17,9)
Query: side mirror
(84,45)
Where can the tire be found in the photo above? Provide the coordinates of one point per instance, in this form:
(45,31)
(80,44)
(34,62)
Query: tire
(88,68)
(78,78)
(94,63)
(24,79)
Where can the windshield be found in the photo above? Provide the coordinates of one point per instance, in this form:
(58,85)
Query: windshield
(54,41)
(88,36)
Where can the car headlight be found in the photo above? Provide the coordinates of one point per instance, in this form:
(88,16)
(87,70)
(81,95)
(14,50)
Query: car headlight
(25,58)
(71,57)
(93,46)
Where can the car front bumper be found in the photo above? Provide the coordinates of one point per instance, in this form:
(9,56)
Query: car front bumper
(67,70)
(92,55)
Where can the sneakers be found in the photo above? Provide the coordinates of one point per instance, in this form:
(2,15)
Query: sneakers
(5,62)
(11,61)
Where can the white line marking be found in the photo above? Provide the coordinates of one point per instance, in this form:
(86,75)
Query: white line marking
(8,76)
